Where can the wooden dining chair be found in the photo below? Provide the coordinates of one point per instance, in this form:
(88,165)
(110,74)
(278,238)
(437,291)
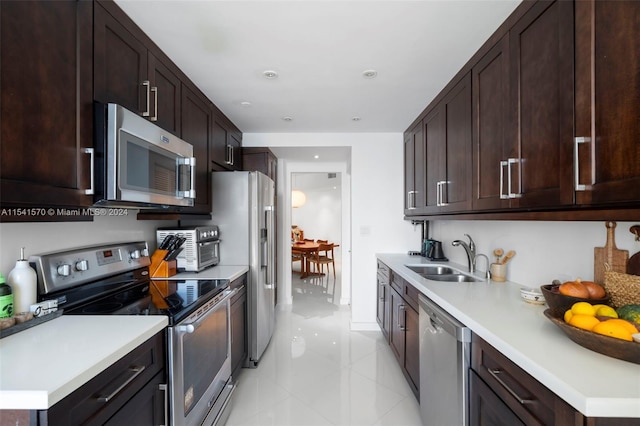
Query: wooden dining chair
(320,260)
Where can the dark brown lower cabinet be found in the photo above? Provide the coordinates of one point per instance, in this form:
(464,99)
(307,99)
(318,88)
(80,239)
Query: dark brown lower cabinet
(403,338)
(384,299)
(239,344)
(501,393)
(131,391)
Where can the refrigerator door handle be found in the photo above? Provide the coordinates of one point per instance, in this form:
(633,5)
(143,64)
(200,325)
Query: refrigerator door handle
(270,251)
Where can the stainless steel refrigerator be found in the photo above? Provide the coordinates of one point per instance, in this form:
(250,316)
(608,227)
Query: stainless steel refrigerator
(243,207)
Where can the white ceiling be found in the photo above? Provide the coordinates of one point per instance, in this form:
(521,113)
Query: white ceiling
(320,48)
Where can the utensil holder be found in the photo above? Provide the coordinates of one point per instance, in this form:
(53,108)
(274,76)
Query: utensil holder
(161,268)
(498,272)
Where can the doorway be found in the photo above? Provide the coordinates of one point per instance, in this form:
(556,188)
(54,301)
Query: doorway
(316,216)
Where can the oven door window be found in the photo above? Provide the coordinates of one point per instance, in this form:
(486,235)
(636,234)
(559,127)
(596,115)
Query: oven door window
(204,352)
(146,167)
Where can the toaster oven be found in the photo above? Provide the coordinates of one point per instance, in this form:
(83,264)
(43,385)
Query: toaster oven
(200,250)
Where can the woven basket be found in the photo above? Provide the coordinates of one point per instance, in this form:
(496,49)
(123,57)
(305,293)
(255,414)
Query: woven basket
(624,289)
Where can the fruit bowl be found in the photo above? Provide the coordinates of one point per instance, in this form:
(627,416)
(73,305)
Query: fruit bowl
(605,345)
(555,300)
(532,295)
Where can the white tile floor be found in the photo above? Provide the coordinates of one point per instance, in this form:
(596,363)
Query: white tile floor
(318,372)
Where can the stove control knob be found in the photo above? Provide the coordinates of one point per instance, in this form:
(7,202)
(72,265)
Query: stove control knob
(82,265)
(64,270)
(135,254)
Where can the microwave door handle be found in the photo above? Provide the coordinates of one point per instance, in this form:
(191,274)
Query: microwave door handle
(191,162)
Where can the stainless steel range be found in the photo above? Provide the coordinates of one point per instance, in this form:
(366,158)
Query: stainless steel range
(113,279)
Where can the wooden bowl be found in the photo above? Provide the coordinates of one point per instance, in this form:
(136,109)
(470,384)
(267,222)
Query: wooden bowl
(556,300)
(605,345)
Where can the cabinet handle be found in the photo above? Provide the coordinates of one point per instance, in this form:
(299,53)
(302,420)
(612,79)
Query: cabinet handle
(512,194)
(440,193)
(147,86)
(403,326)
(232,154)
(227,160)
(91,153)
(136,372)
(576,164)
(165,390)
(503,196)
(411,200)
(382,295)
(495,374)
(154,117)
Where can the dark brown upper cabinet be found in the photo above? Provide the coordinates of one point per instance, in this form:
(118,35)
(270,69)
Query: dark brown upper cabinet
(607,105)
(447,138)
(490,84)
(126,72)
(46,114)
(196,130)
(541,106)
(226,145)
(414,169)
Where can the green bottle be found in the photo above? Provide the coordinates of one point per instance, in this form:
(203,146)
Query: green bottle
(6,299)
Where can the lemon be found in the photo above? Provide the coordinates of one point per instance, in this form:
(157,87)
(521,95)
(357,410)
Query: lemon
(612,328)
(585,322)
(605,311)
(568,315)
(583,308)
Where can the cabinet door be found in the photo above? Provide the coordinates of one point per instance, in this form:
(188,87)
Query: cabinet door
(219,151)
(397,325)
(234,143)
(196,127)
(46,119)
(262,160)
(414,169)
(239,346)
(147,407)
(412,349)
(434,166)
(490,83)
(382,315)
(120,64)
(165,96)
(486,408)
(541,88)
(608,101)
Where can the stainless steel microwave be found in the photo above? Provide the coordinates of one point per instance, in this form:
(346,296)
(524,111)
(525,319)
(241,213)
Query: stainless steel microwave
(138,164)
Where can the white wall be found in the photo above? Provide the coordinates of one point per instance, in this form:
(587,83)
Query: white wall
(46,237)
(375,202)
(321,215)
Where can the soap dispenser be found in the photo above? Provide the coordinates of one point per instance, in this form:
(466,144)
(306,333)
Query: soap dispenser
(23,282)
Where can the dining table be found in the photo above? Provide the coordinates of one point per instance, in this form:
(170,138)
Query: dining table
(307,248)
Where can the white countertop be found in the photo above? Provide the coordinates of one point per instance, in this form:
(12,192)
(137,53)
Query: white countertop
(219,272)
(43,364)
(594,384)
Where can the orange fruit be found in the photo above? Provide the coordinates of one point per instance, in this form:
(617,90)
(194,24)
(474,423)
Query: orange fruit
(585,322)
(568,315)
(613,328)
(626,324)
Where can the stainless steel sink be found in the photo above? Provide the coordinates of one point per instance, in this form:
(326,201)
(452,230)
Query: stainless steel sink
(442,273)
(432,269)
(456,278)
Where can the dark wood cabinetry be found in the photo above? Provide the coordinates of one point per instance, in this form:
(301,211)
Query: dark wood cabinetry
(262,160)
(383,311)
(502,393)
(403,331)
(414,169)
(196,129)
(541,102)
(46,113)
(226,145)
(607,84)
(542,149)
(132,390)
(127,72)
(239,343)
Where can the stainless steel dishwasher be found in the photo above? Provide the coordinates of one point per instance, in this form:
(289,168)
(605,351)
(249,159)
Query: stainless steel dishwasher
(445,355)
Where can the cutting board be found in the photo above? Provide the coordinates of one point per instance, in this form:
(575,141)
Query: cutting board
(633,266)
(609,254)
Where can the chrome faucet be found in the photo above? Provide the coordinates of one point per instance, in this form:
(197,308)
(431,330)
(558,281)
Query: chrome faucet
(475,259)
(471,251)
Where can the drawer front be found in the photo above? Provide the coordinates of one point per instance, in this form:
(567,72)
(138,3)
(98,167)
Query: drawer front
(100,398)
(532,402)
(397,282)
(383,270)
(410,295)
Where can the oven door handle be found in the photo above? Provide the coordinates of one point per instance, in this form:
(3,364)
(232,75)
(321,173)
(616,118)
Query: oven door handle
(190,328)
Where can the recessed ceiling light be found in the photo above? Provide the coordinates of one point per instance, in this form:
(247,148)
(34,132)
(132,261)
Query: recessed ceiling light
(287,118)
(316,156)
(245,104)
(369,73)
(356,118)
(270,74)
